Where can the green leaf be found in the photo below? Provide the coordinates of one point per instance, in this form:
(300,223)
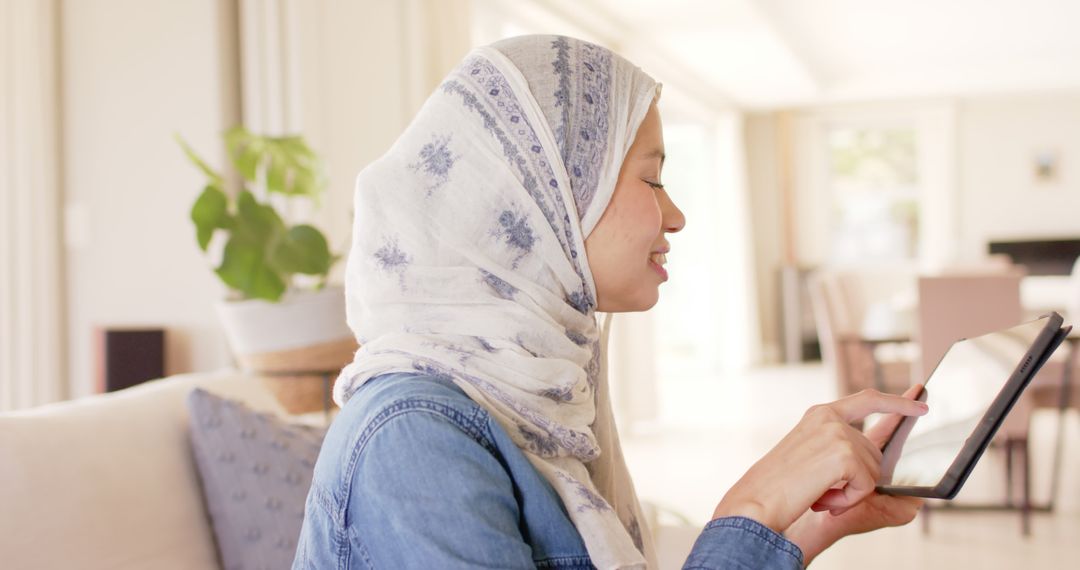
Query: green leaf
(247,162)
(246,150)
(255,222)
(244,268)
(275,175)
(296,146)
(262,253)
(305,184)
(236,139)
(214,177)
(295,165)
(291,166)
(302,250)
(209,213)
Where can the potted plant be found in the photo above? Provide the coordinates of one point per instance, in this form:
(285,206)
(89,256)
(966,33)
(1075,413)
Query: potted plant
(280,318)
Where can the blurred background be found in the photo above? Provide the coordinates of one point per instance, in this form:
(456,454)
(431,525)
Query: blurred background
(853,172)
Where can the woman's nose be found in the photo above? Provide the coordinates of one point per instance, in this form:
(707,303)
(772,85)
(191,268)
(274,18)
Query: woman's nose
(673,218)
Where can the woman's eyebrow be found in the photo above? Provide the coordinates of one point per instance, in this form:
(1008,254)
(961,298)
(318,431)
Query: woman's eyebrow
(655,153)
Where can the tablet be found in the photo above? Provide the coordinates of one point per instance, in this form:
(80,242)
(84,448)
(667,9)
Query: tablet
(969,393)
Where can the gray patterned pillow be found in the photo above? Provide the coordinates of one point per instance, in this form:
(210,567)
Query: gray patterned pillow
(256,470)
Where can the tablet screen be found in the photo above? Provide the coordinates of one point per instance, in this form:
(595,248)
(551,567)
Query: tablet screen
(959,392)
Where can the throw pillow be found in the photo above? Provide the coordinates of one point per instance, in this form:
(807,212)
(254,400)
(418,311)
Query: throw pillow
(256,470)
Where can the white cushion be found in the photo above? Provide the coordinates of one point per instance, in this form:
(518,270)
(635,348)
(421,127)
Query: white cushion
(109,481)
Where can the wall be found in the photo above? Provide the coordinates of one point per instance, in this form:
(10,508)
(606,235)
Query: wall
(976,154)
(133,73)
(999,196)
(976,166)
(136,71)
(365,70)
(934,124)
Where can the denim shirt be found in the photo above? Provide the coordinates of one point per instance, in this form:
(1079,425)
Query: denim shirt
(414,474)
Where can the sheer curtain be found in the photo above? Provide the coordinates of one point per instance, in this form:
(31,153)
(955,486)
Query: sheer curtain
(32,353)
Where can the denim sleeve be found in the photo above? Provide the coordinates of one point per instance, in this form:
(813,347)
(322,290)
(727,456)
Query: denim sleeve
(740,542)
(427,493)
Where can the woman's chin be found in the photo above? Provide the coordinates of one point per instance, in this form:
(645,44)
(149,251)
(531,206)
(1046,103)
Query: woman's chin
(641,301)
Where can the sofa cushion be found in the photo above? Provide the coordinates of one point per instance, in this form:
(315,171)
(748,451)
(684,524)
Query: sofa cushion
(256,471)
(109,481)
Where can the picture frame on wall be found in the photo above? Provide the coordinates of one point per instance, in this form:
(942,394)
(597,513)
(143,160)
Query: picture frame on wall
(1046,166)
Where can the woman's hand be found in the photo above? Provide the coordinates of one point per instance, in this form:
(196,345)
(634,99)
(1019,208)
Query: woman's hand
(816,531)
(823,463)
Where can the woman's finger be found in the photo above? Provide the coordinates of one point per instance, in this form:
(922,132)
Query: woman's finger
(880,432)
(871,451)
(860,486)
(913,392)
(859,405)
(829,501)
(861,462)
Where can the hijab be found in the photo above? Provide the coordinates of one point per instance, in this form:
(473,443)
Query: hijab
(468,262)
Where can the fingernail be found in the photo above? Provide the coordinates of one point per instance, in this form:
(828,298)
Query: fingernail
(923,405)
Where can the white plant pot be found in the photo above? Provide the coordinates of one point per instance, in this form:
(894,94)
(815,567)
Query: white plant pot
(297,345)
(308,325)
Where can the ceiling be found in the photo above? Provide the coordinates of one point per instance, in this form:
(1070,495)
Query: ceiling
(780,53)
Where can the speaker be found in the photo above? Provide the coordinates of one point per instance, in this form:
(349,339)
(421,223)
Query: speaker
(126,357)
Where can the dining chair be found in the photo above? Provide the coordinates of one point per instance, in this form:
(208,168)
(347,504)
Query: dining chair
(958,306)
(838,300)
(1056,385)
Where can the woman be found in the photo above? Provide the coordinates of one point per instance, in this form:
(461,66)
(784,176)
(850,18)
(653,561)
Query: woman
(476,428)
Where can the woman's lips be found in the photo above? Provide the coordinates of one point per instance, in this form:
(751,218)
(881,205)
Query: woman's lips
(657,261)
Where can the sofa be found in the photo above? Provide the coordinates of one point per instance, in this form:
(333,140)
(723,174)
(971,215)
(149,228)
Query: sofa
(110,481)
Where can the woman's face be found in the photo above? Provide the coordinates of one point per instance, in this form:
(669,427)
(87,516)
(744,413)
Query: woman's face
(627,247)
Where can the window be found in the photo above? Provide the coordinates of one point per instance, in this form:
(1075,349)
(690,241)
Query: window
(687,325)
(874,188)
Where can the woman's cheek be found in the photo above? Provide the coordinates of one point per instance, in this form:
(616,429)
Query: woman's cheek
(649,218)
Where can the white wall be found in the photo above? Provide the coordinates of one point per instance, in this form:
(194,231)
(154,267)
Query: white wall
(976,155)
(133,73)
(365,70)
(999,196)
(934,124)
(136,71)
(976,170)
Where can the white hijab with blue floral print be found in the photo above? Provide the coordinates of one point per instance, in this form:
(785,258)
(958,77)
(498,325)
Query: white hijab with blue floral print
(468,262)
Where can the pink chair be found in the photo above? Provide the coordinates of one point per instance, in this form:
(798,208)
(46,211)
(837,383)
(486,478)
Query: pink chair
(1056,385)
(838,304)
(956,306)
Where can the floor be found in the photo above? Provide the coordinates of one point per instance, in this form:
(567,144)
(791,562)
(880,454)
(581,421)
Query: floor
(709,432)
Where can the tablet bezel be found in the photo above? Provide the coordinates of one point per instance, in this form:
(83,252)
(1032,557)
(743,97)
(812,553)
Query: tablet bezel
(1047,341)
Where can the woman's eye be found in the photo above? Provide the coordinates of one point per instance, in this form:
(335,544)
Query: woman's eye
(653,185)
